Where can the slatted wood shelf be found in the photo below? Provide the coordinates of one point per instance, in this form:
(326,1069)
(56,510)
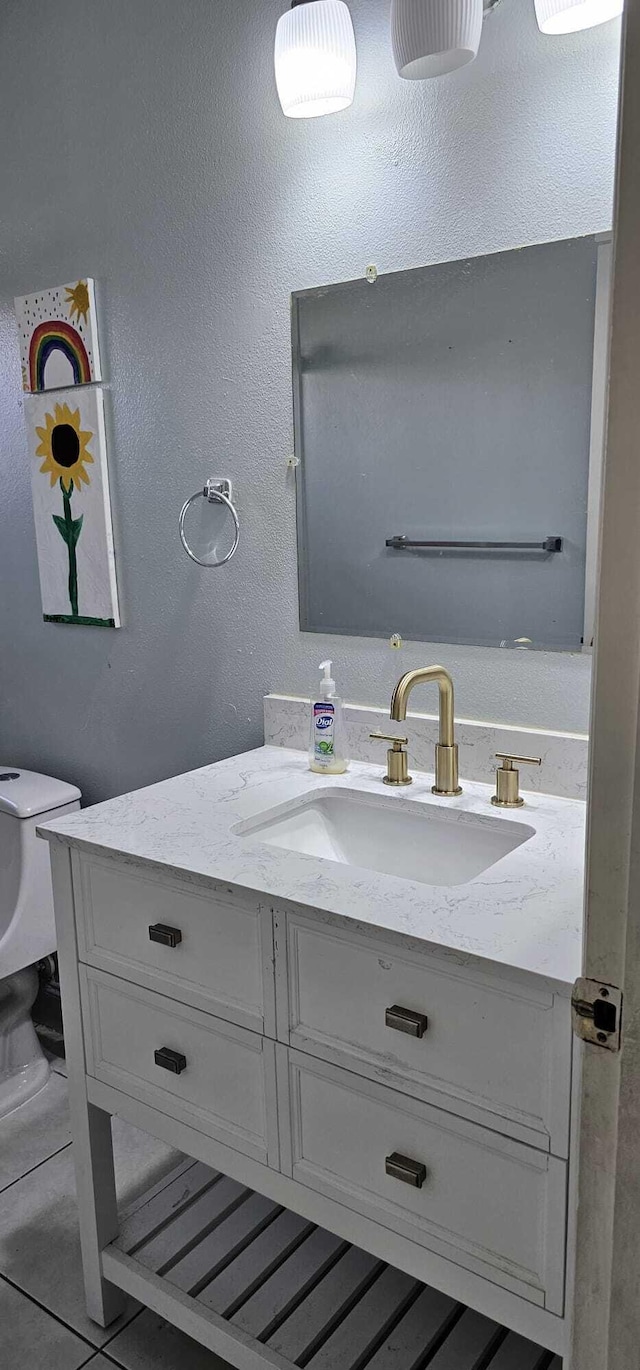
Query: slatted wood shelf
(268,1290)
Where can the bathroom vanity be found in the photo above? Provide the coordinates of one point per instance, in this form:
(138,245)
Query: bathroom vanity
(351,1008)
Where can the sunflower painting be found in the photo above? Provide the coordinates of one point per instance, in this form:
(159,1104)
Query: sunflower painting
(71,506)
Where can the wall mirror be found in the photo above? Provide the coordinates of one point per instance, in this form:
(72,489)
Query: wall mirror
(445,428)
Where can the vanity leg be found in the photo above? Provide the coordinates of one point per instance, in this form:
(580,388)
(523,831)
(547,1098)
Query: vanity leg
(90,1126)
(97,1208)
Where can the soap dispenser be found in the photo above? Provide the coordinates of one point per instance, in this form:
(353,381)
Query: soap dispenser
(327,754)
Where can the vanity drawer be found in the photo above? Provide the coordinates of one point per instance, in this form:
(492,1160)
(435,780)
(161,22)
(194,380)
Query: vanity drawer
(494,1049)
(483,1201)
(212,1074)
(211,950)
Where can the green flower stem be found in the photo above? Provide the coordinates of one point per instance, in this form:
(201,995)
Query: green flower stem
(70,540)
(70,530)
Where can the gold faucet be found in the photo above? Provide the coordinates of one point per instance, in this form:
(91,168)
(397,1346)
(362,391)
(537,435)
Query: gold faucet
(446,747)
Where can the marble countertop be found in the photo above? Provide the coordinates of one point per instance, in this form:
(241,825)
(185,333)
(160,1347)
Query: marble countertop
(525,912)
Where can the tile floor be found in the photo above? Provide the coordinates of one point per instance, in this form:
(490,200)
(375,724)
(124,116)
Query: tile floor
(43,1325)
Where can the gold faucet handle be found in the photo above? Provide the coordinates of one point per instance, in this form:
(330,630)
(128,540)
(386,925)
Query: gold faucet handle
(507,794)
(397,760)
(386,737)
(522,760)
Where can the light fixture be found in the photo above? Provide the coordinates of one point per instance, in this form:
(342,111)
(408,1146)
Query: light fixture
(315,58)
(567,16)
(432,37)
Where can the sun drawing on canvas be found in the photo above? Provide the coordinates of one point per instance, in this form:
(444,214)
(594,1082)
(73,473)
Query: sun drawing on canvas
(77,297)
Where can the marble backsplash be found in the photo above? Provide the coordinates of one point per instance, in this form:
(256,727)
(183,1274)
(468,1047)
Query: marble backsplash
(564,755)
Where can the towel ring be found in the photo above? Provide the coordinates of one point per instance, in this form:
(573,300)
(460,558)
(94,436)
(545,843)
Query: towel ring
(215,491)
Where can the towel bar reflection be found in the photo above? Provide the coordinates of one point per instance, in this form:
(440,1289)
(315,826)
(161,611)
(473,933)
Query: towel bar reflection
(216,491)
(550,544)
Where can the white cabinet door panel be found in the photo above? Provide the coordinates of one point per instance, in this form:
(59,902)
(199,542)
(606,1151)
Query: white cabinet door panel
(225,1084)
(495,1049)
(223,960)
(487,1202)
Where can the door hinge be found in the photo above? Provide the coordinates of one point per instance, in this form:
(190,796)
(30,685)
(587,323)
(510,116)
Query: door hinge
(596,1010)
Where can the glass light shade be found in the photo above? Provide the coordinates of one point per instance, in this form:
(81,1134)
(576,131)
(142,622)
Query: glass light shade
(315,59)
(433,37)
(568,16)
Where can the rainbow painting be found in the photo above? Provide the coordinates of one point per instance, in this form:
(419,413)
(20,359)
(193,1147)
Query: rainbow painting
(63,337)
(59,337)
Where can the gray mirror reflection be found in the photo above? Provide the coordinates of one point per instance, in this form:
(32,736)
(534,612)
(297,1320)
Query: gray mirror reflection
(450,406)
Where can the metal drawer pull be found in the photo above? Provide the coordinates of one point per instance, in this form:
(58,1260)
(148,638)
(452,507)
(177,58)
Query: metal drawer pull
(403,1168)
(166,936)
(170,1060)
(405,1020)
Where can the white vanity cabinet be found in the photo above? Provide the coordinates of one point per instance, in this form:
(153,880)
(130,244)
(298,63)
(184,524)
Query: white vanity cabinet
(407,1100)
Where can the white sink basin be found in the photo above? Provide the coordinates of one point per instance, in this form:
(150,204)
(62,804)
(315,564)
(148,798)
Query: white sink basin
(417,841)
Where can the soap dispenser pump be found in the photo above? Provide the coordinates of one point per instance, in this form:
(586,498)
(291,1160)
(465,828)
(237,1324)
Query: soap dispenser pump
(327,754)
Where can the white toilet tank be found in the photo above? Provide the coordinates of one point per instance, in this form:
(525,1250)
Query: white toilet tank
(27,929)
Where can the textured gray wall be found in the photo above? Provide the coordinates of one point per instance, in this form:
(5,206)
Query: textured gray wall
(142,142)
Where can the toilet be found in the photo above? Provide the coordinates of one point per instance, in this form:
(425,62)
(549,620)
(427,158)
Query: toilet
(27,928)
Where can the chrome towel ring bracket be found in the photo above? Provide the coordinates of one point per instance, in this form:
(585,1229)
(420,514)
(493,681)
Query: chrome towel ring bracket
(216,491)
